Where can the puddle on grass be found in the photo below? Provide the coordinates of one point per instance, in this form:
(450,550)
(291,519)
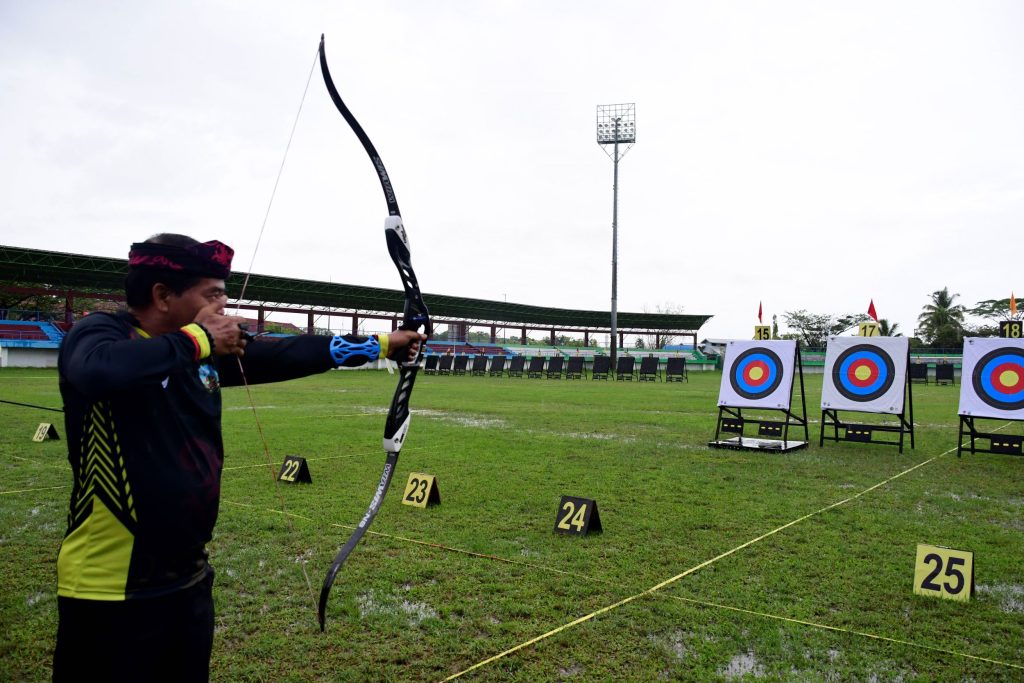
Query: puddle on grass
(414,613)
(741,665)
(1009,595)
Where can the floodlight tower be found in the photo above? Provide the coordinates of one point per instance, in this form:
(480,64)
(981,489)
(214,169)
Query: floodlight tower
(616,125)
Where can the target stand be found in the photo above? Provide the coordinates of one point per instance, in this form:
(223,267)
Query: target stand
(991,387)
(867,375)
(759,375)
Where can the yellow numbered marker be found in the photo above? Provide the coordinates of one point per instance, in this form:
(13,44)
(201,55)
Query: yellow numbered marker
(944,573)
(762,332)
(45,431)
(869,329)
(421,490)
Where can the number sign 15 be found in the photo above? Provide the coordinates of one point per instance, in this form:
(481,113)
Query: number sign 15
(421,490)
(944,572)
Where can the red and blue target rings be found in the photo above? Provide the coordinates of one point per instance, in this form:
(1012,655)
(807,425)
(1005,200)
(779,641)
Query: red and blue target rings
(756,373)
(999,378)
(863,373)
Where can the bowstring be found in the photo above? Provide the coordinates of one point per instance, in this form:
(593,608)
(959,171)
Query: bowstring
(241,369)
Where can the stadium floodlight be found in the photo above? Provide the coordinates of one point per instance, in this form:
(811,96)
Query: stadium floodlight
(616,126)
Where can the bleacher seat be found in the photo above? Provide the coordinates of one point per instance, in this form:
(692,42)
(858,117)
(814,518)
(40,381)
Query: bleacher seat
(555,367)
(515,368)
(497,366)
(602,364)
(536,369)
(944,373)
(676,370)
(445,366)
(624,368)
(574,370)
(479,368)
(431,368)
(919,372)
(460,364)
(649,369)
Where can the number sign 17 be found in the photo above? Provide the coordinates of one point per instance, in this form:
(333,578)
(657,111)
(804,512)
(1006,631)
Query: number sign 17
(944,572)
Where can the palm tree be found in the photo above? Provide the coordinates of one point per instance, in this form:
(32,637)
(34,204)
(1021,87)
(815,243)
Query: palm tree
(887,329)
(941,322)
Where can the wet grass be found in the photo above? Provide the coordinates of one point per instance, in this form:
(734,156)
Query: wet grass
(432,592)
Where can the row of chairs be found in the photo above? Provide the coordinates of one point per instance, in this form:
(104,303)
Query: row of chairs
(556,367)
(943,373)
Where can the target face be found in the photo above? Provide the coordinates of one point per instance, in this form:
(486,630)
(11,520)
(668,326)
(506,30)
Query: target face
(998,378)
(863,373)
(756,373)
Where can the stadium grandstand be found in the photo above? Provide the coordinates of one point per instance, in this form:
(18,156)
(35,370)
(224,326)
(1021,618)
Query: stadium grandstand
(73,277)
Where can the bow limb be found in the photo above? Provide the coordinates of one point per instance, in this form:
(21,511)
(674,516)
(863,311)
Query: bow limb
(415,317)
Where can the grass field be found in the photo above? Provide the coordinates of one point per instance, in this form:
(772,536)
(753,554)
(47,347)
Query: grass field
(713,564)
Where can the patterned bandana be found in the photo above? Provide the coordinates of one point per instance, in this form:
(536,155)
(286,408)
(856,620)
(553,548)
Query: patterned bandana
(209,259)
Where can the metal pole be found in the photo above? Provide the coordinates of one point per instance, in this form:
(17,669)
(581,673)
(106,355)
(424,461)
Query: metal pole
(615,247)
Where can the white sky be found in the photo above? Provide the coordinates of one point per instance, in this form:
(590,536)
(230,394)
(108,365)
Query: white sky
(808,155)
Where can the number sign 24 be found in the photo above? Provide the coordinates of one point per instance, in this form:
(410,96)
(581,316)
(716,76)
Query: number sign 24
(944,573)
(577,516)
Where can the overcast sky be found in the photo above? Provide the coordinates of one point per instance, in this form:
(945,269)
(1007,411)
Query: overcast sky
(810,155)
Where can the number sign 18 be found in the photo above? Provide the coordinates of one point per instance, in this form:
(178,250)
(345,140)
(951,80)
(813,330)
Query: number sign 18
(944,572)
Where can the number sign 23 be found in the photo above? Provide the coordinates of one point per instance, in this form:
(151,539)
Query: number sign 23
(577,516)
(944,573)
(421,490)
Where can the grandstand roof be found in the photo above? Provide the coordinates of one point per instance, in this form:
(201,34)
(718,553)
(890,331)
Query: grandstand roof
(103,275)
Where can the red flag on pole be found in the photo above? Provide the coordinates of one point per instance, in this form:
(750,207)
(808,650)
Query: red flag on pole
(759,318)
(1013,305)
(871,311)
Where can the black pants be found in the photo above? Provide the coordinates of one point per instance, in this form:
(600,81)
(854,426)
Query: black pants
(157,639)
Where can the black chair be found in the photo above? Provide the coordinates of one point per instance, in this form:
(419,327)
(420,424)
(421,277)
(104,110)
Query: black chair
(919,372)
(676,370)
(461,362)
(445,367)
(649,369)
(515,368)
(431,368)
(479,368)
(536,369)
(497,366)
(602,364)
(624,368)
(555,367)
(574,370)
(944,373)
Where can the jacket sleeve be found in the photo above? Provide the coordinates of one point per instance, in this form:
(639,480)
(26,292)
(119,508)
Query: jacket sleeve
(102,355)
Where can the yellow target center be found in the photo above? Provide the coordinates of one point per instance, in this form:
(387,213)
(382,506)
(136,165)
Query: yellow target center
(1009,378)
(756,373)
(862,373)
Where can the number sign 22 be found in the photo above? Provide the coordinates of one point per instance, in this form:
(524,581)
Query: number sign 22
(577,516)
(294,470)
(944,573)
(421,490)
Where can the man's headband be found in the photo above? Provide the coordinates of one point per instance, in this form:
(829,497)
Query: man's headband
(209,259)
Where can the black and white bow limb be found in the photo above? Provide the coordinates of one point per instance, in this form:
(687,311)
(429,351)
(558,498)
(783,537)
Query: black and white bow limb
(415,317)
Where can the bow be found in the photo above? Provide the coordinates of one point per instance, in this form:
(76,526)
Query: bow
(415,316)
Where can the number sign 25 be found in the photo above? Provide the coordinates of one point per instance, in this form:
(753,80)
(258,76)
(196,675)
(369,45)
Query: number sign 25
(577,516)
(944,573)
(421,490)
